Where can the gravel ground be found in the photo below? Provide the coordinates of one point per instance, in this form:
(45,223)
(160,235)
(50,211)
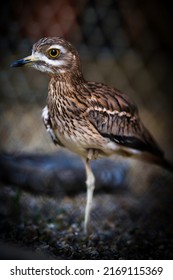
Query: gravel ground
(126,223)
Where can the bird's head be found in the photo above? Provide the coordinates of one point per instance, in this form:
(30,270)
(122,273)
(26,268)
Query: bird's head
(52,55)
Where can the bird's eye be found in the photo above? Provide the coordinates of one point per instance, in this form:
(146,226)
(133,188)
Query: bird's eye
(53,53)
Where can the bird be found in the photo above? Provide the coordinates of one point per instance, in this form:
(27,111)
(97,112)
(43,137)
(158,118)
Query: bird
(88,118)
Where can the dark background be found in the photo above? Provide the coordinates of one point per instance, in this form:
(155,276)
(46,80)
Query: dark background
(124,43)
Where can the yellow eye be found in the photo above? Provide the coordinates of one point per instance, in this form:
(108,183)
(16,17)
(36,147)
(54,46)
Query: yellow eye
(53,53)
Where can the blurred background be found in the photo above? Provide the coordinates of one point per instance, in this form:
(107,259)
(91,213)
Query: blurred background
(127,44)
(123,43)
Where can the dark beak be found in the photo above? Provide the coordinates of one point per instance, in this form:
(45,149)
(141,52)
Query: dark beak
(24,61)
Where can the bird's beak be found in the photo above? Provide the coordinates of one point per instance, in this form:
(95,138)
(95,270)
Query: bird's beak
(24,61)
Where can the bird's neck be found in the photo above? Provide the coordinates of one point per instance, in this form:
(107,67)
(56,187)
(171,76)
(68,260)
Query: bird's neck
(65,84)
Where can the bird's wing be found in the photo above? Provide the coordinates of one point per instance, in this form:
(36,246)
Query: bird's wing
(116,117)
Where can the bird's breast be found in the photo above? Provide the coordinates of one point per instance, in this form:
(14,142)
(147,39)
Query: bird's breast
(70,127)
(74,133)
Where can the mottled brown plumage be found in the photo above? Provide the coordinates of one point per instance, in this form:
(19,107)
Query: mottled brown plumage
(88,118)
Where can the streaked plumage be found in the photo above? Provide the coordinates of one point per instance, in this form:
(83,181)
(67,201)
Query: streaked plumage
(88,118)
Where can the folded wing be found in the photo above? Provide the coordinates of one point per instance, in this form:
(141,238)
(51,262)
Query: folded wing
(116,117)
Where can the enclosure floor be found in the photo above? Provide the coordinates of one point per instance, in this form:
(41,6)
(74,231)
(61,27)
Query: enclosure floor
(125,224)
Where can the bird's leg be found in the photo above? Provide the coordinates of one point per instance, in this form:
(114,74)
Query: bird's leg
(90,184)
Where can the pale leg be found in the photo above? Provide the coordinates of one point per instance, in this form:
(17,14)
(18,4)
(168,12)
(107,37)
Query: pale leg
(90,180)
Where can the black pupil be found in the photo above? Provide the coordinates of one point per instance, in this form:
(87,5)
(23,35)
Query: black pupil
(53,52)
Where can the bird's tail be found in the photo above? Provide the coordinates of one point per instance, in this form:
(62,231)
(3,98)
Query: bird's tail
(160,161)
(166,164)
